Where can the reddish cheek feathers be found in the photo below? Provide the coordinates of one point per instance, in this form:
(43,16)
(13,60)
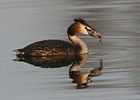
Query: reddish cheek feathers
(77,28)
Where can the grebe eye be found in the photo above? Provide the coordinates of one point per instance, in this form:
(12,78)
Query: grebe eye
(88,29)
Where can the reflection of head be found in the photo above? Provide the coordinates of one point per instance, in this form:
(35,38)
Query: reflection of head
(83,78)
(80,78)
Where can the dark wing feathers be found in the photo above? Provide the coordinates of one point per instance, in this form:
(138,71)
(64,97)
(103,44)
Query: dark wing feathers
(49,44)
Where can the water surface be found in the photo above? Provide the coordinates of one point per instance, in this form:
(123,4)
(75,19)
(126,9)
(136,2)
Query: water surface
(25,21)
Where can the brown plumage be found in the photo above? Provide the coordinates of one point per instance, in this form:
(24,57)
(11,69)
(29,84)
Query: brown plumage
(47,48)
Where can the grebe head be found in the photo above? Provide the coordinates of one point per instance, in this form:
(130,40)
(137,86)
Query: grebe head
(82,27)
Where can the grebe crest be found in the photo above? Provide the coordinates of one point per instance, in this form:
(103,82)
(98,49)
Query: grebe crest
(60,47)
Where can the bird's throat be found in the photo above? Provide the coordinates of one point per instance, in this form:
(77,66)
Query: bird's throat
(77,41)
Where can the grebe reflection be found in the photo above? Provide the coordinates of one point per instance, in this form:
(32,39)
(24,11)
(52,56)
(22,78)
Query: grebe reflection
(83,78)
(50,62)
(60,47)
(80,78)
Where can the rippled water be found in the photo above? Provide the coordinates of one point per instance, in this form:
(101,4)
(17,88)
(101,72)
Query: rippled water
(25,21)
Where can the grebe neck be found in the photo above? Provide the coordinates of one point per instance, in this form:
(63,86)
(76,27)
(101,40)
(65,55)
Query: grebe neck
(77,41)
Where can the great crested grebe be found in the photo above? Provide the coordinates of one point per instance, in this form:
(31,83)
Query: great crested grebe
(60,47)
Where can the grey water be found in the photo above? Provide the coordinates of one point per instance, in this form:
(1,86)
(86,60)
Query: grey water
(26,21)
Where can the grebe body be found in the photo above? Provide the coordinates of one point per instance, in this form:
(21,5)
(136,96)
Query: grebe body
(47,48)
(60,47)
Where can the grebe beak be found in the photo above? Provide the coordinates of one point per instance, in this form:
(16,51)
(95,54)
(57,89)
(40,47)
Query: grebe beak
(95,33)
